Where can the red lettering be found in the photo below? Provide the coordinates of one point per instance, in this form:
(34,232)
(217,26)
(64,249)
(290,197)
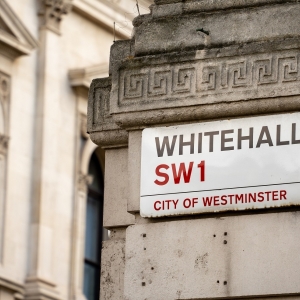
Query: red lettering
(207,201)
(216,200)
(187,203)
(195,201)
(239,198)
(252,197)
(161,174)
(224,200)
(168,202)
(275,195)
(155,207)
(282,194)
(175,203)
(260,197)
(268,193)
(201,166)
(182,171)
(230,198)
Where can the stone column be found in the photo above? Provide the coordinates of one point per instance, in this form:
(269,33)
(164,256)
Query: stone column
(116,186)
(40,282)
(190,62)
(78,233)
(4,141)
(84,148)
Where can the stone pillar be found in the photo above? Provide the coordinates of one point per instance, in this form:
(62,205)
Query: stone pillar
(4,141)
(40,282)
(191,62)
(116,185)
(84,149)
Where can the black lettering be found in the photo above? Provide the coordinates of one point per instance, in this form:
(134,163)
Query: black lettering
(243,138)
(200,142)
(211,139)
(278,134)
(165,144)
(226,140)
(294,141)
(267,140)
(190,143)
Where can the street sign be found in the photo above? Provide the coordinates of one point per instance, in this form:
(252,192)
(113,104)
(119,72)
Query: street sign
(235,164)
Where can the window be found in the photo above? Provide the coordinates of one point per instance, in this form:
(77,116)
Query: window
(94,233)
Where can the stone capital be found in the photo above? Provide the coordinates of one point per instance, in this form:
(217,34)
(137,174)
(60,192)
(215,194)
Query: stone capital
(3,144)
(4,86)
(51,12)
(83,181)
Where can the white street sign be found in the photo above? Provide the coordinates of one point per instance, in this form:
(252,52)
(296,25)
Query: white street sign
(234,164)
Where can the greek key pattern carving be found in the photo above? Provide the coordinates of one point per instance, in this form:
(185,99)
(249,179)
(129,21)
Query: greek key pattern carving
(206,77)
(158,82)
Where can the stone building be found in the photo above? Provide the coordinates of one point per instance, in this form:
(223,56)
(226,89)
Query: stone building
(202,64)
(51,194)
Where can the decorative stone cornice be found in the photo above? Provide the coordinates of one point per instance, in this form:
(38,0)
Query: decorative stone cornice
(15,39)
(102,128)
(186,6)
(194,71)
(108,12)
(51,13)
(13,287)
(40,289)
(190,25)
(80,79)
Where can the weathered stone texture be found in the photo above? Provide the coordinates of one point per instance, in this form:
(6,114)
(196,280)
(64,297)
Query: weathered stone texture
(225,27)
(99,119)
(190,259)
(134,170)
(116,189)
(112,269)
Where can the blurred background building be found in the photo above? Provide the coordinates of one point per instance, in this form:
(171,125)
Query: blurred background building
(51,174)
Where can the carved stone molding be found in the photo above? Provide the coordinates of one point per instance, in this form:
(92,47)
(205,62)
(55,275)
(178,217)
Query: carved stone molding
(195,25)
(179,87)
(203,78)
(37,288)
(205,5)
(14,288)
(51,13)
(206,81)
(15,38)
(101,126)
